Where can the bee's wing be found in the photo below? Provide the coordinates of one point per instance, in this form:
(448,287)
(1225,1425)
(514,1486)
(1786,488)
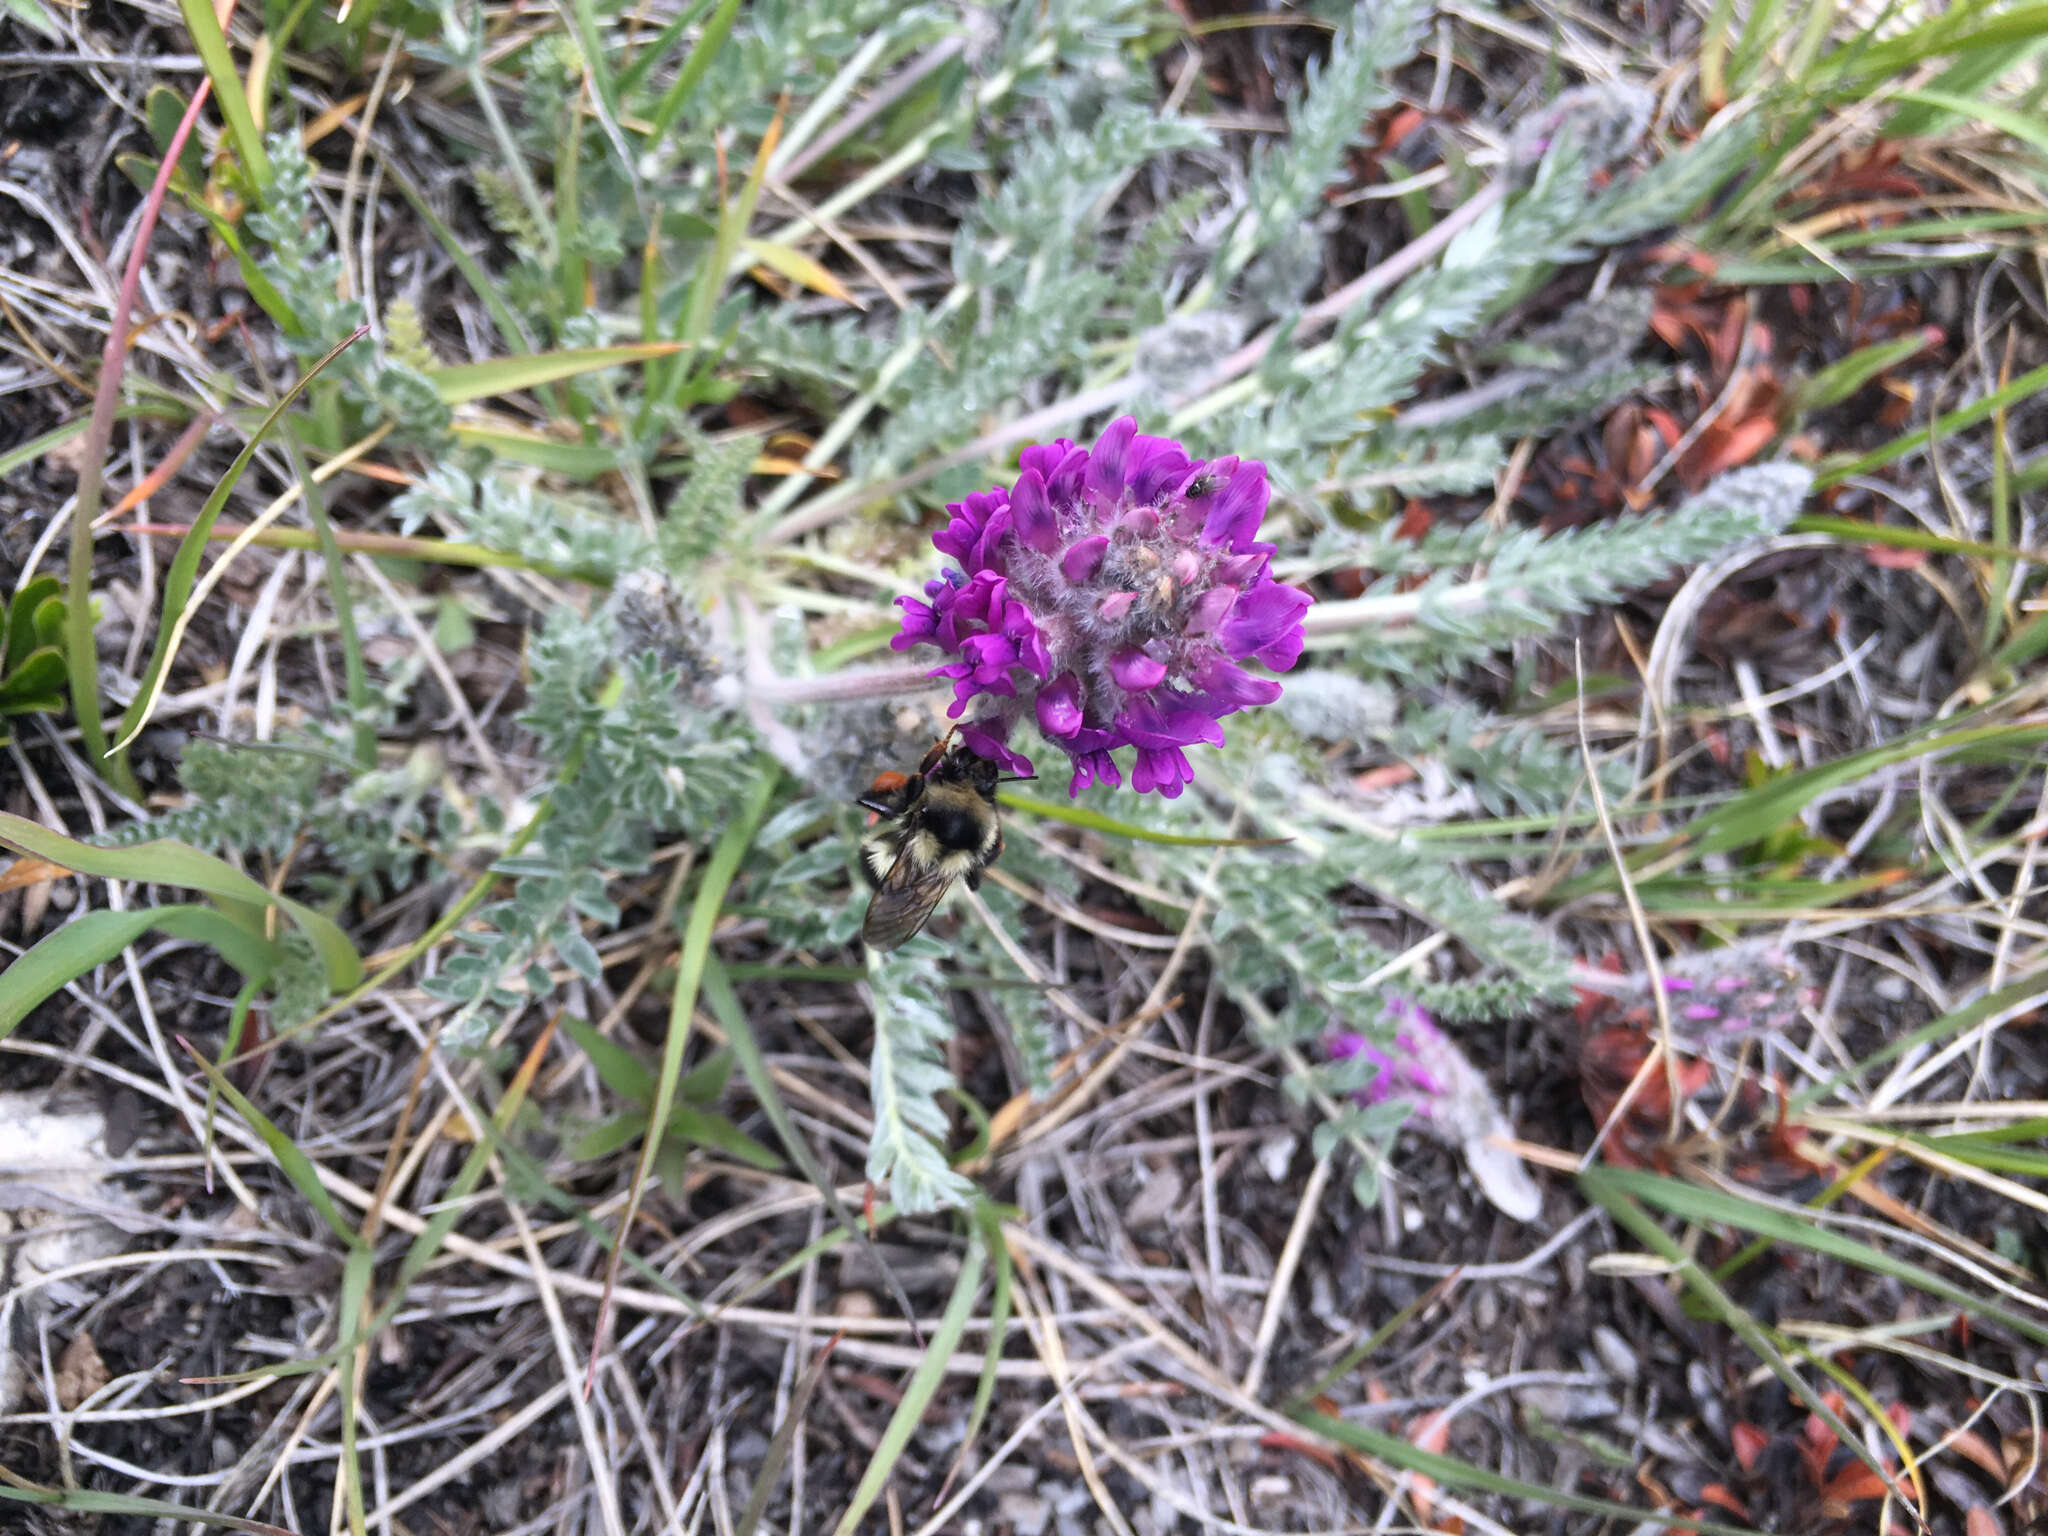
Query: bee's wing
(904,901)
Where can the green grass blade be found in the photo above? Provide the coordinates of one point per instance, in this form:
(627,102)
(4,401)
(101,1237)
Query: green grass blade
(725,1007)
(1751,816)
(165,862)
(1944,425)
(1095,821)
(1613,1196)
(691,962)
(355,676)
(988,1226)
(1852,530)
(355,1292)
(656,48)
(88,1501)
(461,383)
(924,1382)
(291,1162)
(211,44)
(97,937)
(184,569)
(2013,995)
(684,86)
(1839,380)
(779,1448)
(1452,1473)
(2027,129)
(1698,1205)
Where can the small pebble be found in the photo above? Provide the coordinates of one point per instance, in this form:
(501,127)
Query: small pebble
(1615,1353)
(1026,1513)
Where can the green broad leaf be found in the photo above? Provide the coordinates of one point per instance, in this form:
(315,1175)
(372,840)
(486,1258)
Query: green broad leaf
(94,938)
(19,630)
(917,1395)
(1095,821)
(291,1162)
(617,1068)
(460,383)
(37,685)
(30,13)
(164,108)
(703,1083)
(87,1501)
(167,862)
(47,622)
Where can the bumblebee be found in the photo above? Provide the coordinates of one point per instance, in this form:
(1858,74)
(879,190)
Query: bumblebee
(936,826)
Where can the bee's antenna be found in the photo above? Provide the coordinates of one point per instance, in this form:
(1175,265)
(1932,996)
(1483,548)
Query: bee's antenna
(1016,778)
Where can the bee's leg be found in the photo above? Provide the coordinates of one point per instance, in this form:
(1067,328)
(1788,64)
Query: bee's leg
(974,879)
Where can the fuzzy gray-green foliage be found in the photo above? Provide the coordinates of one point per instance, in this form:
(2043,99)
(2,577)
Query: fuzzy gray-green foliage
(913,1022)
(632,767)
(1092,244)
(307,273)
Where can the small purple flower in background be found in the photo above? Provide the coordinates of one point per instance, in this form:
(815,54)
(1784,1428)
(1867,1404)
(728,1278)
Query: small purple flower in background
(1112,592)
(1449,1096)
(1734,993)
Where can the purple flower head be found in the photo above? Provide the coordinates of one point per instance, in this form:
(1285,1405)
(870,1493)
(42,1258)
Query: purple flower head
(1419,1063)
(1110,594)
(1415,1060)
(1733,994)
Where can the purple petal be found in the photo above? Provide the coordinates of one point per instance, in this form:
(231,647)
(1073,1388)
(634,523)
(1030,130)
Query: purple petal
(1105,480)
(1092,768)
(1262,616)
(920,623)
(1164,769)
(1242,570)
(1059,706)
(1116,605)
(984,739)
(1227,687)
(1031,514)
(1238,509)
(1209,610)
(990,655)
(1283,653)
(1134,671)
(1045,459)
(1084,557)
(1141,523)
(1149,726)
(1156,464)
(1063,480)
